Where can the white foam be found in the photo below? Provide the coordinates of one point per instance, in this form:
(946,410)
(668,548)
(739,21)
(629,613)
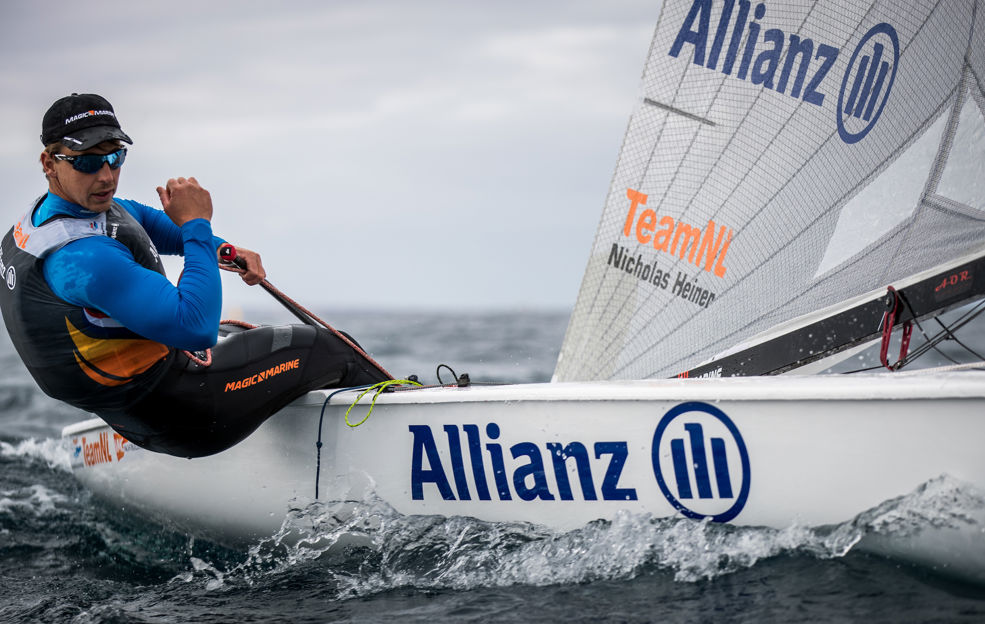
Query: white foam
(54,452)
(367,547)
(36,500)
(942,503)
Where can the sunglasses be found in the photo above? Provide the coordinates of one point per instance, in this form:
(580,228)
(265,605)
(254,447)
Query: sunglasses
(91,163)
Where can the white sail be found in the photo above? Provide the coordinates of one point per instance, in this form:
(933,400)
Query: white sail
(784,156)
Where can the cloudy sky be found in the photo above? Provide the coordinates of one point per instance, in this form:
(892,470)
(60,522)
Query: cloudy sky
(390,154)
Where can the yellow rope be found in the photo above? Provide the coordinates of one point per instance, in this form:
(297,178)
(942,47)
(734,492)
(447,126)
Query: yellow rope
(379,387)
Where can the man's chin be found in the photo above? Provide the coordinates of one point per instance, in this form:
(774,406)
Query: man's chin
(98,203)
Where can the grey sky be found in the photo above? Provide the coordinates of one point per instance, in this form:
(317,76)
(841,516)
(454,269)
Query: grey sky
(392,154)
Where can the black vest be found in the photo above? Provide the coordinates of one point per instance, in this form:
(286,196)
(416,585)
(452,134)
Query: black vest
(77,355)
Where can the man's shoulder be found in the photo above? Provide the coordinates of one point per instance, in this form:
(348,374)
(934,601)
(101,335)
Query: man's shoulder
(134,207)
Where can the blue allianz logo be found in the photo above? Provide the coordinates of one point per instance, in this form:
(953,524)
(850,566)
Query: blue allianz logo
(867,83)
(701,462)
(742,40)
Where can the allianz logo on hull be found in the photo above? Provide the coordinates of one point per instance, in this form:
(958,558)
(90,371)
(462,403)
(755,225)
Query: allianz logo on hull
(456,462)
(793,64)
(681,466)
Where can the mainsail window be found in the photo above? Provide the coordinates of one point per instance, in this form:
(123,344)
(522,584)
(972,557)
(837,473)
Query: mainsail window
(963,178)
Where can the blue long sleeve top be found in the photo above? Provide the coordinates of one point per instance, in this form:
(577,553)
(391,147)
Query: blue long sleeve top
(100,273)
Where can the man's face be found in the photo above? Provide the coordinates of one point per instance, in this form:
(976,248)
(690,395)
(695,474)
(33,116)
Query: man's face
(92,191)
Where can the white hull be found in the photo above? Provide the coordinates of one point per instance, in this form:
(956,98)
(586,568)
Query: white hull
(777,451)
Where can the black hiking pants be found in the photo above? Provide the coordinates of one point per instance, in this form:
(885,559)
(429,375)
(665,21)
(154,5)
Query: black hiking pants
(200,410)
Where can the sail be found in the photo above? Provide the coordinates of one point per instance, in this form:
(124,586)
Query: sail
(783,157)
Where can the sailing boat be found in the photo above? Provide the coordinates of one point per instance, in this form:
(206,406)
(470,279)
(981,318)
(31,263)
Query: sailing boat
(797,180)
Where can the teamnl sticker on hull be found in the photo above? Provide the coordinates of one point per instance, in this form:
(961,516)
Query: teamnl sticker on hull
(100,447)
(700,465)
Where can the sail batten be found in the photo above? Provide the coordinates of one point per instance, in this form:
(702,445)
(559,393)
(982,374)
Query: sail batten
(779,162)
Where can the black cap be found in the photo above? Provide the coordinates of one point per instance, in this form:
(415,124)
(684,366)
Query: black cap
(80,122)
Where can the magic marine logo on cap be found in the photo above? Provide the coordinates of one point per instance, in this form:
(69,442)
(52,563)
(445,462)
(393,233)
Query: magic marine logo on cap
(700,462)
(89,113)
(742,44)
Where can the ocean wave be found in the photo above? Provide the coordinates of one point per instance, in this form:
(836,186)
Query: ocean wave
(33,500)
(944,502)
(366,547)
(53,452)
(939,526)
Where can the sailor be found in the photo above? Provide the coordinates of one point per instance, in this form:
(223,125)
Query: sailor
(99,326)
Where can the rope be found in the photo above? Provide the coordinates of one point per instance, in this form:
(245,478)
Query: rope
(947,369)
(318,444)
(461,381)
(287,301)
(946,333)
(207,360)
(437,373)
(242,324)
(201,362)
(382,386)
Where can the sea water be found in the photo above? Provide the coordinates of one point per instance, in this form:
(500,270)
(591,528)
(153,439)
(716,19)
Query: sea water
(65,556)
